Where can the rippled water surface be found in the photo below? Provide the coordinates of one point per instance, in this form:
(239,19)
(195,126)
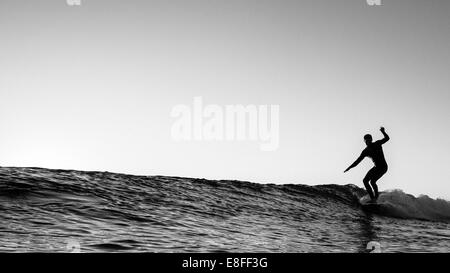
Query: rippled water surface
(55,210)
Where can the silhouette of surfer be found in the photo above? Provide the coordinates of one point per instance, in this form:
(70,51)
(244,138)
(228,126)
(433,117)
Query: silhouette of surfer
(374,151)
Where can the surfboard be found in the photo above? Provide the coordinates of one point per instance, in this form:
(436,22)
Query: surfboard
(371,206)
(365,200)
(367,203)
(382,207)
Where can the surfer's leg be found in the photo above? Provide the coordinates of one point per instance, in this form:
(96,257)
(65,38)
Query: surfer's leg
(373,183)
(366,181)
(377,174)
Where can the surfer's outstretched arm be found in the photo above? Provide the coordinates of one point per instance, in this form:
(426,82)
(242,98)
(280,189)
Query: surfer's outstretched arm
(358,160)
(386,136)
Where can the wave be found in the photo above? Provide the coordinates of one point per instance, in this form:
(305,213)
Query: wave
(403,205)
(91,187)
(118,212)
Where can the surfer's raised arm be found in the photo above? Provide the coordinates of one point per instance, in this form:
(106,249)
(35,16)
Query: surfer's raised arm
(358,160)
(386,137)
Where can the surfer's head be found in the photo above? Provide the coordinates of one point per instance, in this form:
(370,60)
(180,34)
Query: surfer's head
(368,139)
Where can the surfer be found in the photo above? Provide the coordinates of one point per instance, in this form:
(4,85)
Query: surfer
(374,151)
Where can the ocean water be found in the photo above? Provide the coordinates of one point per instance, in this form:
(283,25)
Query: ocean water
(45,210)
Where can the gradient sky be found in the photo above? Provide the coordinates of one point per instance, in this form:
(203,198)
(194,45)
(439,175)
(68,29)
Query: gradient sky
(92,87)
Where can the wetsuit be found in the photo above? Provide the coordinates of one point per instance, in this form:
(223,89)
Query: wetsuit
(375,152)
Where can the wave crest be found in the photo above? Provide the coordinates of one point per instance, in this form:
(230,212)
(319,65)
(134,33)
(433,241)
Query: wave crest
(397,203)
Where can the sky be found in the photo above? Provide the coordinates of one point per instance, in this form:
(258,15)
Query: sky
(92,87)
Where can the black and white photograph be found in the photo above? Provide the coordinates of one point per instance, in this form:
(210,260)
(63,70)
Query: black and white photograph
(224,126)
